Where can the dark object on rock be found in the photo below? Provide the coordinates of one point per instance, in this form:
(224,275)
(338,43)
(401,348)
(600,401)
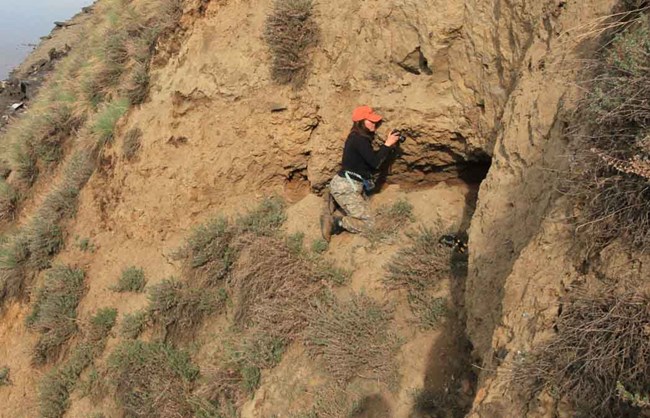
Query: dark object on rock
(415,62)
(16,89)
(277,107)
(177,141)
(62,24)
(55,54)
(453,241)
(88,9)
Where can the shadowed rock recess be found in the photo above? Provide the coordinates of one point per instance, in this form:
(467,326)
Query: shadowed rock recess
(227,123)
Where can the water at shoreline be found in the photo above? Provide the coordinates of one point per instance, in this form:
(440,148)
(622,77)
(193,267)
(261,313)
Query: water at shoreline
(24,22)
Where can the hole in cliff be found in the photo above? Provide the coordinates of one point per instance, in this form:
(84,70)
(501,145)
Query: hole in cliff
(296,185)
(422,175)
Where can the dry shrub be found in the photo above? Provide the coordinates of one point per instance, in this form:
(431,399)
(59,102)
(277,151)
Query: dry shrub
(152,379)
(389,220)
(290,32)
(611,165)
(56,386)
(177,309)
(421,265)
(354,338)
(602,341)
(272,287)
(265,219)
(55,310)
(133,324)
(210,252)
(131,280)
(4,376)
(8,201)
(131,143)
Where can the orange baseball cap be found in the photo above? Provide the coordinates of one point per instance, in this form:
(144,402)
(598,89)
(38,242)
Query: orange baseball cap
(365,112)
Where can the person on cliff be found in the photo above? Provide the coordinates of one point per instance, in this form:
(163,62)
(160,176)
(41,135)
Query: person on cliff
(349,187)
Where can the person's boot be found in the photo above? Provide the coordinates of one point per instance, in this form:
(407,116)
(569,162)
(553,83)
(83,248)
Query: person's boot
(326,226)
(330,225)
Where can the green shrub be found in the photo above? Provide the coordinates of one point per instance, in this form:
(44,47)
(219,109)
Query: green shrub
(209,251)
(354,338)
(55,310)
(4,376)
(24,161)
(139,84)
(44,240)
(107,118)
(8,201)
(133,324)
(319,246)
(176,309)
(295,242)
(131,143)
(131,280)
(56,386)
(266,219)
(152,377)
(85,244)
(290,32)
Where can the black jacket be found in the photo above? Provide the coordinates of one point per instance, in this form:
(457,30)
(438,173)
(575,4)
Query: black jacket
(359,157)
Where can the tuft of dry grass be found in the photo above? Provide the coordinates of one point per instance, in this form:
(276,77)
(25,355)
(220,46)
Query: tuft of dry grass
(56,386)
(209,251)
(290,32)
(389,220)
(55,310)
(610,168)
(4,376)
(422,264)
(8,201)
(354,338)
(131,144)
(601,343)
(131,280)
(133,324)
(265,219)
(152,379)
(272,286)
(176,309)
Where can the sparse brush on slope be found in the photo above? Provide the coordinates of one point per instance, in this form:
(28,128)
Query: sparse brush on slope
(131,280)
(176,309)
(152,379)
(133,324)
(290,32)
(354,338)
(610,168)
(601,343)
(55,310)
(56,386)
(389,219)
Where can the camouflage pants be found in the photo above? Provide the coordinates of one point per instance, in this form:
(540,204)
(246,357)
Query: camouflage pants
(349,195)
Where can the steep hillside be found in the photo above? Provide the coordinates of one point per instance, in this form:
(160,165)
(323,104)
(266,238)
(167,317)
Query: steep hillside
(245,311)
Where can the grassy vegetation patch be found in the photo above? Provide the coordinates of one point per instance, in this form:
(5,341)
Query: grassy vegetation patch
(290,32)
(610,167)
(601,343)
(107,118)
(8,201)
(4,376)
(210,252)
(272,286)
(388,221)
(131,144)
(354,338)
(265,219)
(54,312)
(56,386)
(177,309)
(131,280)
(152,379)
(133,324)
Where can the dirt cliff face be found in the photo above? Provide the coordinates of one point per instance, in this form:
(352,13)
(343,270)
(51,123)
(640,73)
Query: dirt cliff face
(495,85)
